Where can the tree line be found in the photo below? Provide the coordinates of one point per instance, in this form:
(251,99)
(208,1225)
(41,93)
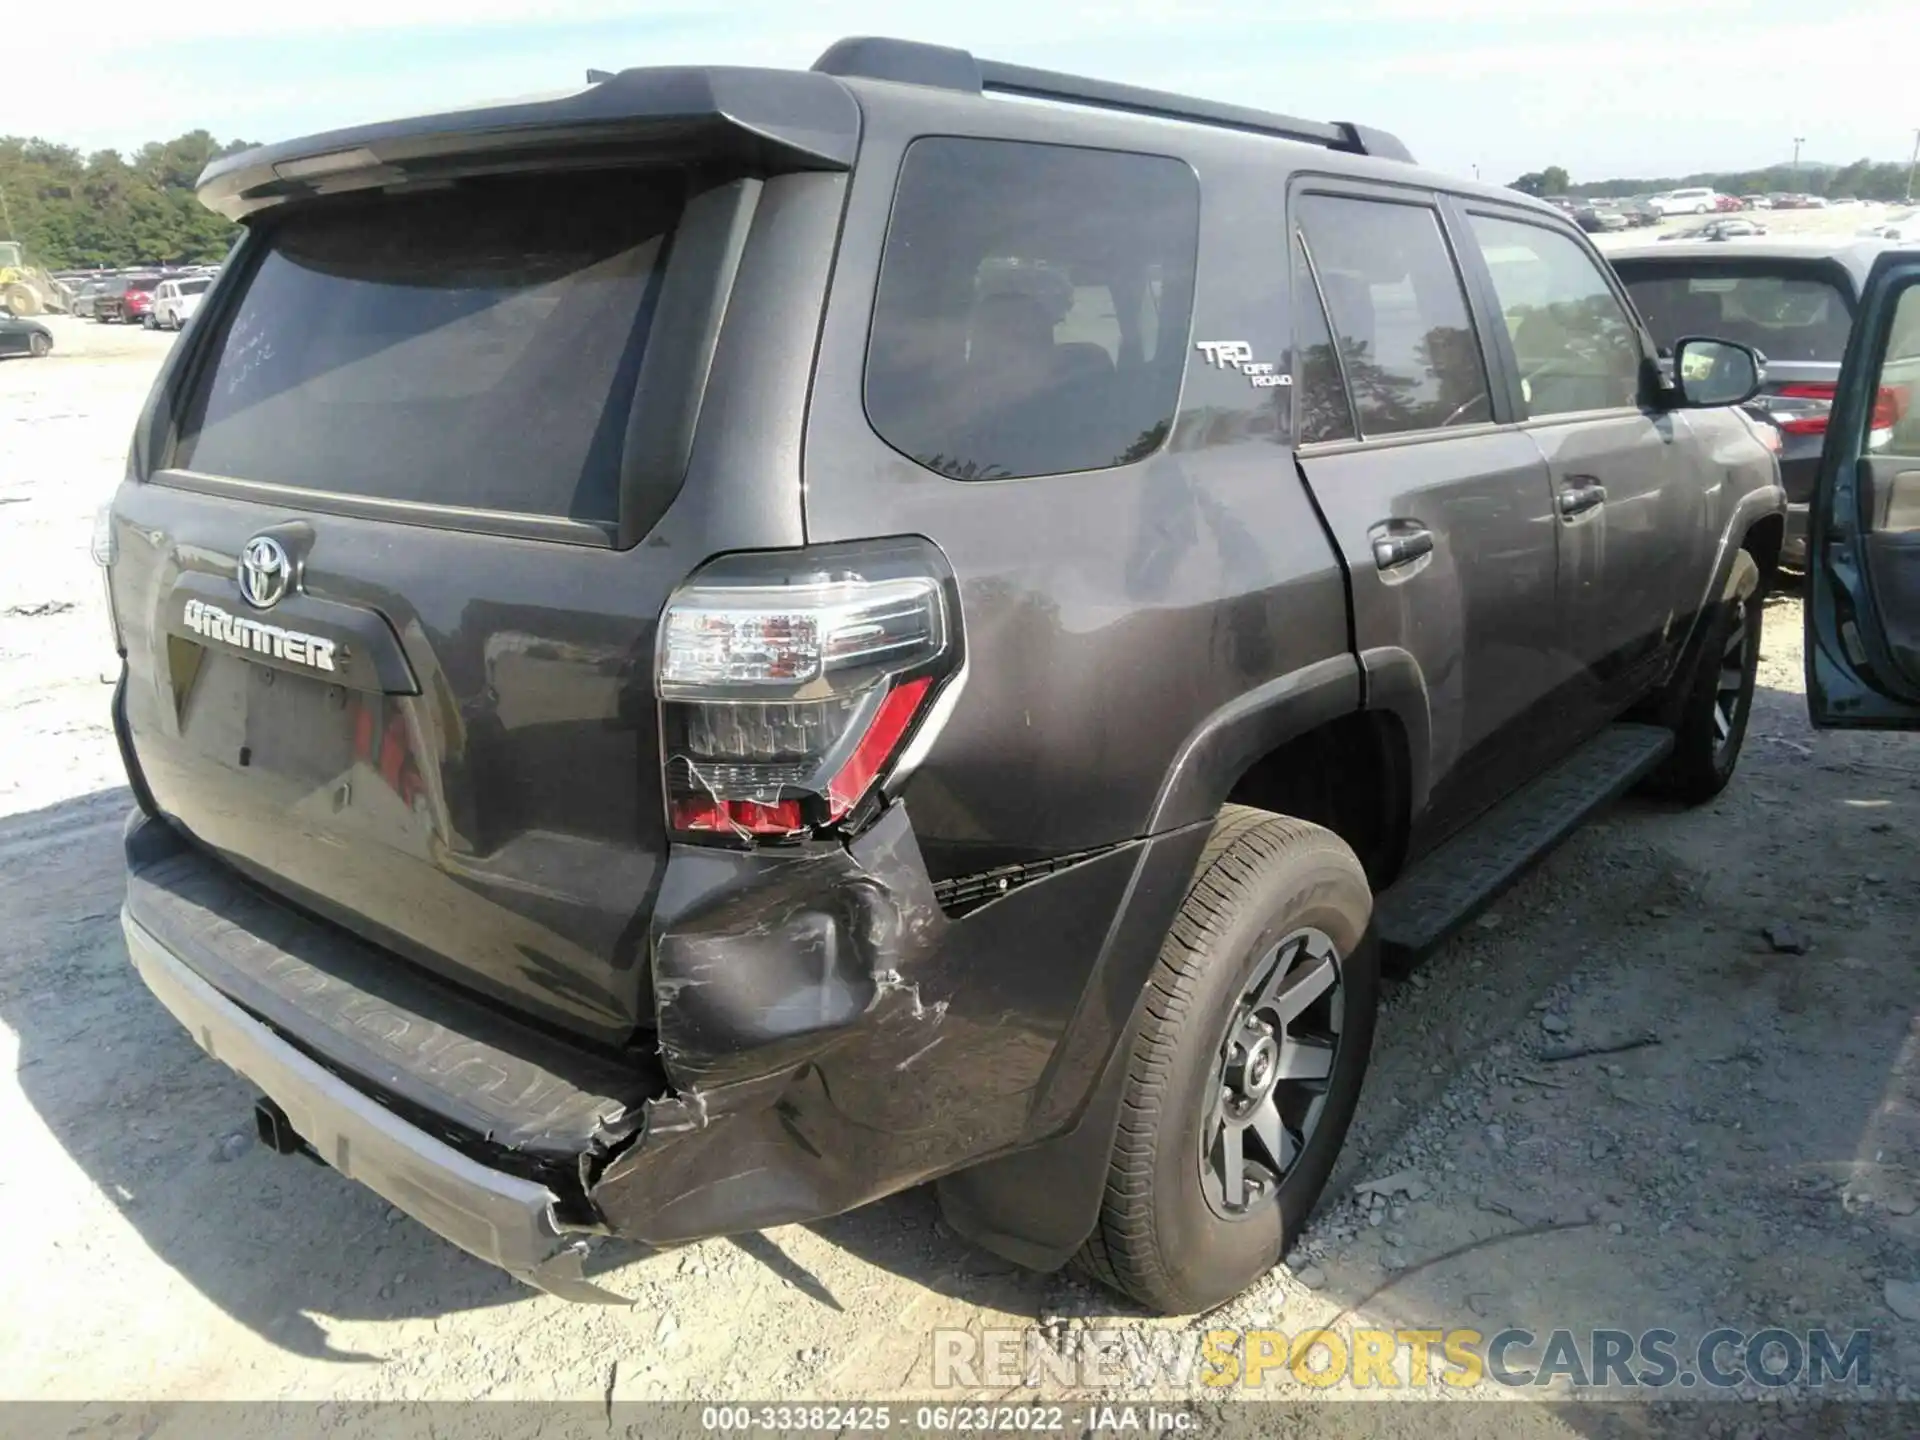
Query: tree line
(104,209)
(1862,180)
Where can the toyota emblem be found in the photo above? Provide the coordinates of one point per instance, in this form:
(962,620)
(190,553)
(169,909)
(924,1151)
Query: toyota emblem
(265,572)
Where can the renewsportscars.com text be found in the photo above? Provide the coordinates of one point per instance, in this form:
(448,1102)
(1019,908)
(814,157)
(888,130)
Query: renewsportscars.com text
(1373,1359)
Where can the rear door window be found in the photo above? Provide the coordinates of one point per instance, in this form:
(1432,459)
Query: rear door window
(1573,340)
(1033,307)
(477,346)
(1322,411)
(1784,315)
(1404,337)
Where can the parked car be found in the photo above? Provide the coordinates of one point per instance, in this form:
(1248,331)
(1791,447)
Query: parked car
(21,336)
(1727,203)
(1693,200)
(1757,202)
(1791,300)
(634,839)
(125,299)
(85,294)
(1727,229)
(1595,219)
(1902,225)
(1639,212)
(176,300)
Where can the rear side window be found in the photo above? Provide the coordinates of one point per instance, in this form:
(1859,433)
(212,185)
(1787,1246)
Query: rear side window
(1399,312)
(477,346)
(1782,314)
(1033,307)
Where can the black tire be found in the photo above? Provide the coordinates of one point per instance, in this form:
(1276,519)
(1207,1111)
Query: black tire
(1263,881)
(1711,722)
(38,346)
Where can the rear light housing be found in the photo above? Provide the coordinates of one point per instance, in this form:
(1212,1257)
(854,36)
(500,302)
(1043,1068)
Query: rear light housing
(1890,406)
(1802,409)
(1807,408)
(790,682)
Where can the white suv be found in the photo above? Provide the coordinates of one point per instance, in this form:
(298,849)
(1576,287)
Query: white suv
(176,300)
(1697,200)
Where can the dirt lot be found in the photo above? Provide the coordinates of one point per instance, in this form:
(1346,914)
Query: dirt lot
(1754,1165)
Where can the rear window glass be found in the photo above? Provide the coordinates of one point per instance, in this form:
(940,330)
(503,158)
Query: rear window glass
(194,287)
(1783,316)
(1033,307)
(151,283)
(476,346)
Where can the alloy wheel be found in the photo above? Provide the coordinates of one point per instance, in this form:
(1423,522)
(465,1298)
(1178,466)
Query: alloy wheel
(1275,1066)
(1731,693)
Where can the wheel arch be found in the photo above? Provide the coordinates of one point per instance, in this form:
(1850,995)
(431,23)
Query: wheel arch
(1360,727)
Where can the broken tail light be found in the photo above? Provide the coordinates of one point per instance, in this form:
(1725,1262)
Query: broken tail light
(789,683)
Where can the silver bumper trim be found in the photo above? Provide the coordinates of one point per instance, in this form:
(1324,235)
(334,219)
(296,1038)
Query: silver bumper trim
(502,1219)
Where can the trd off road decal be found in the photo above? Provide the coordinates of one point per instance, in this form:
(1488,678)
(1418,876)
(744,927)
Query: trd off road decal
(1238,355)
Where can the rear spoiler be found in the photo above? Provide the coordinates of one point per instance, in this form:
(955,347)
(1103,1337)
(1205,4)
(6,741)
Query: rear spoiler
(771,120)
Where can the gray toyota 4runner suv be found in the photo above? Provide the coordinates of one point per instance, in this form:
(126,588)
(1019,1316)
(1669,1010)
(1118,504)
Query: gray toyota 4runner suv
(708,650)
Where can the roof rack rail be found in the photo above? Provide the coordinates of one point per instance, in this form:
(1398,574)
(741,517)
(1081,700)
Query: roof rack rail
(910,62)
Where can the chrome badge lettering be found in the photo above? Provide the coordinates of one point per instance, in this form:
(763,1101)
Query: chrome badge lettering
(1238,355)
(212,623)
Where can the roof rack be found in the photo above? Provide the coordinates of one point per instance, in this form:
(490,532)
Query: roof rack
(912,63)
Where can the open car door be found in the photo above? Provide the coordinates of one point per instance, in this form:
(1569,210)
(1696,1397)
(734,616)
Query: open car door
(1863,595)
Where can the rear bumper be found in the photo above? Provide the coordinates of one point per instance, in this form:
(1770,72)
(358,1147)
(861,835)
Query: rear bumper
(827,1035)
(504,1220)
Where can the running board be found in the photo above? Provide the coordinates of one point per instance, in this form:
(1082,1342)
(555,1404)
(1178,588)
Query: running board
(1438,896)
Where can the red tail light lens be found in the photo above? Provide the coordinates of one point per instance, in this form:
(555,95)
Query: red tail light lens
(1802,409)
(783,700)
(1807,408)
(1889,407)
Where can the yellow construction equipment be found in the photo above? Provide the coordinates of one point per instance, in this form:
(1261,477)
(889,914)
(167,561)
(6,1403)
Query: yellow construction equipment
(27,289)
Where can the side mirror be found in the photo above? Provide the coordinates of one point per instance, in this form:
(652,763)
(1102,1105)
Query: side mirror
(1710,373)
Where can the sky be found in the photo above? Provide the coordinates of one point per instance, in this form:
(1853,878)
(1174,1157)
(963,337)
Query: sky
(1635,88)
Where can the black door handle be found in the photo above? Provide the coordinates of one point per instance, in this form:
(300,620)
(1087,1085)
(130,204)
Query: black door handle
(1401,546)
(1578,499)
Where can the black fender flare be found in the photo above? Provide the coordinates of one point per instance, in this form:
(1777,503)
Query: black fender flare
(1217,752)
(1396,684)
(1735,573)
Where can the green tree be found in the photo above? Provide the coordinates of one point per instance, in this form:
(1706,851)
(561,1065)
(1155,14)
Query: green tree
(103,209)
(1551,181)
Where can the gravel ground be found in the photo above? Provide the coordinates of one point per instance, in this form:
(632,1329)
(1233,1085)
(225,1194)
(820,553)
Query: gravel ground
(1753,1163)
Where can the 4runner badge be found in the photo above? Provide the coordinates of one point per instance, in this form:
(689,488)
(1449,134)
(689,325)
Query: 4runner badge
(212,623)
(1238,355)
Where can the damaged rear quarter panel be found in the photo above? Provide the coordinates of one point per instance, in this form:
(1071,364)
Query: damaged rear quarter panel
(832,1036)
